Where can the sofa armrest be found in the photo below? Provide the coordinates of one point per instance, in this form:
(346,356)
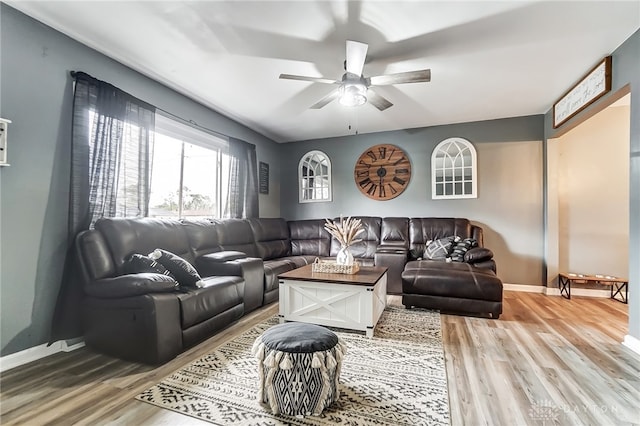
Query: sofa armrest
(145,328)
(387,248)
(223,256)
(130,285)
(480,257)
(394,258)
(249,268)
(486,264)
(478,254)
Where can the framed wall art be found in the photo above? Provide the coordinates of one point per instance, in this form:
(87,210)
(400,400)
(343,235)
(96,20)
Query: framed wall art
(263,177)
(590,88)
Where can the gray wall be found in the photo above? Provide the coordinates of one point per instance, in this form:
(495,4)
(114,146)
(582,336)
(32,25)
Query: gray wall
(626,71)
(36,95)
(509,204)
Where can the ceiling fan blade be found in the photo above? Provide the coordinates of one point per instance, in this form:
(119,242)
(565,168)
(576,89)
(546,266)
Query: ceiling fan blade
(401,77)
(378,101)
(356,55)
(305,78)
(330,97)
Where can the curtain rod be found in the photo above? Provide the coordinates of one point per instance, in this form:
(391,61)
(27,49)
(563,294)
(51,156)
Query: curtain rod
(194,124)
(75,74)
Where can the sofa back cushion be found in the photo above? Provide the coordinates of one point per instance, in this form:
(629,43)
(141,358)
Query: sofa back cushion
(271,237)
(125,237)
(308,237)
(370,238)
(203,236)
(394,231)
(236,234)
(423,229)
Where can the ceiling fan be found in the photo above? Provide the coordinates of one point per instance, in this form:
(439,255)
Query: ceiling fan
(355,89)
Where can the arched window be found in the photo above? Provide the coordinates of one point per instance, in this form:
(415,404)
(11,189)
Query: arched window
(314,177)
(454,170)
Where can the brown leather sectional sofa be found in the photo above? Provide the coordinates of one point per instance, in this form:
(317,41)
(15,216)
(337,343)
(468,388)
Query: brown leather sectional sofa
(130,316)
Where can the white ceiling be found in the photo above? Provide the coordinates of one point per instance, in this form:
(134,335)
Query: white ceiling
(488,59)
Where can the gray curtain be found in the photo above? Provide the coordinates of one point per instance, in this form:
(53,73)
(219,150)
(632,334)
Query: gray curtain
(111,135)
(109,177)
(242,199)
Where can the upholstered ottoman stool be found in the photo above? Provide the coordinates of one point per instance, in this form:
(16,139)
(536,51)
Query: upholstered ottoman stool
(299,367)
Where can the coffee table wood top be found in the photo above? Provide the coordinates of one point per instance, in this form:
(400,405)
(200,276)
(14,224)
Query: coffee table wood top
(367,275)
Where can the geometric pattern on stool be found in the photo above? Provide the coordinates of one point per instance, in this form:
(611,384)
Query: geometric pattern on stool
(298,383)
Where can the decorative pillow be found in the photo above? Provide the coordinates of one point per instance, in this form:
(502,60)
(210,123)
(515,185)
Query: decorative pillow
(439,249)
(461,247)
(184,272)
(139,263)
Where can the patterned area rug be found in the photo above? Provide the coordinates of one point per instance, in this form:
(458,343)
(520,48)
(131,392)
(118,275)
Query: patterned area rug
(396,378)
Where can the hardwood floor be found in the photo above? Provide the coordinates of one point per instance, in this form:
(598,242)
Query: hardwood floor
(546,361)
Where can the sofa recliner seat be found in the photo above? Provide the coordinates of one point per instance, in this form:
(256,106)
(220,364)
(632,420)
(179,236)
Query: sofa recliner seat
(133,316)
(451,286)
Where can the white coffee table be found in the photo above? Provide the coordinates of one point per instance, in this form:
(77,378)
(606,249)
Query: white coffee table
(353,302)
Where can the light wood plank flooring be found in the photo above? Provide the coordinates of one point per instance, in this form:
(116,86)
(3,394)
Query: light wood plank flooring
(546,361)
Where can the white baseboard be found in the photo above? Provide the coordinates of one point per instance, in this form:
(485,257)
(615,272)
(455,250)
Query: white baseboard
(524,288)
(632,343)
(555,291)
(37,352)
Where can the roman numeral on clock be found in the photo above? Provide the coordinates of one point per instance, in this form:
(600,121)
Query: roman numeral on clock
(364,182)
(399,180)
(362,163)
(382,151)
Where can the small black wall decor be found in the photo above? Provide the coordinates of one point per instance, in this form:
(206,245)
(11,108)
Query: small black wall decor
(263,173)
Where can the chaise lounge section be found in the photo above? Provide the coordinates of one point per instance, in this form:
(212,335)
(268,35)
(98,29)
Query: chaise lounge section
(464,288)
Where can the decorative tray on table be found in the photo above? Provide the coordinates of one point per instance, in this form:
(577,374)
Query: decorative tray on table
(331,267)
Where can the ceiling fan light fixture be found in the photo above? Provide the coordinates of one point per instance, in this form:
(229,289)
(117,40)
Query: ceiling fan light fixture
(353,94)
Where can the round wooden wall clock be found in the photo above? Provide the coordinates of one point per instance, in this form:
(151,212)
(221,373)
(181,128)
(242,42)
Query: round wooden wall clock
(382,172)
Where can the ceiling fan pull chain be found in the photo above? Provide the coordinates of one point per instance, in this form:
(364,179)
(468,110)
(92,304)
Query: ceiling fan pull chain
(353,118)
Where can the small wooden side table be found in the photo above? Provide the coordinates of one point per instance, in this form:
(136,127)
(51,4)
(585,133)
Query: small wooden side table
(617,285)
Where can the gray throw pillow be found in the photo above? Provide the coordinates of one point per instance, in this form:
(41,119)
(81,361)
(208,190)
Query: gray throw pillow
(460,248)
(184,272)
(439,249)
(139,263)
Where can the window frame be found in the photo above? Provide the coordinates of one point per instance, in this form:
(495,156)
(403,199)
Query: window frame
(306,159)
(186,134)
(442,151)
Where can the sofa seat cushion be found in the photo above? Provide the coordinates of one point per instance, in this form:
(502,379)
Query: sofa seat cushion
(299,261)
(217,295)
(451,279)
(273,268)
